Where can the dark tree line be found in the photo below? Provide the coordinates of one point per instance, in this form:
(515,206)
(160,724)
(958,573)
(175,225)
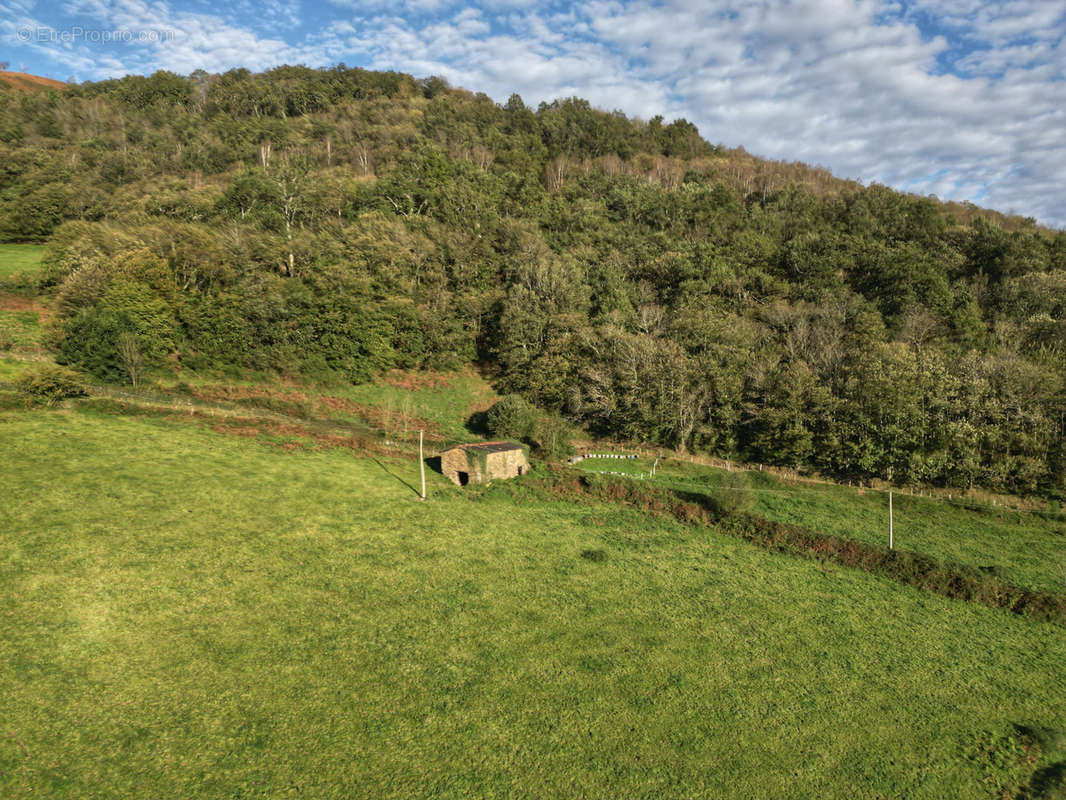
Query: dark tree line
(626,274)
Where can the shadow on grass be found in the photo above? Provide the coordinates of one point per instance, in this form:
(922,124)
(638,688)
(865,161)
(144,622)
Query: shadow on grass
(1048,782)
(392,474)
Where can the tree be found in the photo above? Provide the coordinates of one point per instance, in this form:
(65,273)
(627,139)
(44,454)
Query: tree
(91,336)
(290,177)
(129,351)
(252,193)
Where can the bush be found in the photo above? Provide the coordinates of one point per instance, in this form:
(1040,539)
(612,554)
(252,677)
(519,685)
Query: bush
(733,495)
(49,384)
(512,418)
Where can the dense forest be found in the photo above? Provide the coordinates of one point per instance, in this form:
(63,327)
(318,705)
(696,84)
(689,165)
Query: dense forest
(627,274)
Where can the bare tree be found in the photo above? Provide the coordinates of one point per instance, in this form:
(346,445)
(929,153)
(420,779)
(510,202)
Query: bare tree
(361,157)
(481,156)
(556,172)
(290,176)
(129,351)
(691,407)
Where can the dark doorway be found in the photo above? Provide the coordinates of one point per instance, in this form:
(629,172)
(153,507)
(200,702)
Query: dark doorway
(464,478)
(521,470)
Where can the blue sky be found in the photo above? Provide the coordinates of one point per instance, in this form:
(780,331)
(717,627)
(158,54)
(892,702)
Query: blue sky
(965,99)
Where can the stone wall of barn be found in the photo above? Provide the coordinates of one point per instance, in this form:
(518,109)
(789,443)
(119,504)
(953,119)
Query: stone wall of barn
(480,466)
(454,461)
(508,464)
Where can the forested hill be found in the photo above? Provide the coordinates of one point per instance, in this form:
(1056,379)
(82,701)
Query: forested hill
(644,283)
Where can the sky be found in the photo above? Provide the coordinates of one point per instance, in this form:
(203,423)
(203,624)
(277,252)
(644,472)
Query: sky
(962,99)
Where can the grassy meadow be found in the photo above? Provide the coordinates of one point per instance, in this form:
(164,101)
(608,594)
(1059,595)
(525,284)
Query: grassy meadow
(1026,549)
(187,614)
(20,317)
(19,259)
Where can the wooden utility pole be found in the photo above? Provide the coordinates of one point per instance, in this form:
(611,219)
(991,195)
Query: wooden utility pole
(890,532)
(422,465)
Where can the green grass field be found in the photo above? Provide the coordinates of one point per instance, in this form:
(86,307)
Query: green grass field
(19,258)
(1026,549)
(185,614)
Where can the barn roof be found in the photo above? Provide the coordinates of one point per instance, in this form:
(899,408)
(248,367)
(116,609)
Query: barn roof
(488,447)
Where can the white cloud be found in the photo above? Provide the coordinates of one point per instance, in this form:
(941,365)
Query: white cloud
(826,81)
(178,40)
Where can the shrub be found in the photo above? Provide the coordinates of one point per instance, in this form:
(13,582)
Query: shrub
(512,418)
(49,384)
(733,495)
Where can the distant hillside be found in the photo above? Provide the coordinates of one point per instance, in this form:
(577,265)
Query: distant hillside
(630,275)
(24,82)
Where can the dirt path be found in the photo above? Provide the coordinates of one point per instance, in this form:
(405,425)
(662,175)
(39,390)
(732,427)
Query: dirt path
(14,302)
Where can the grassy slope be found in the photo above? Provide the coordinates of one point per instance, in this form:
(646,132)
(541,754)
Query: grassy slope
(25,82)
(1023,548)
(11,369)
(20,318)
(446,402)
(184,614)
(396,403)
(20,330)
(16,258)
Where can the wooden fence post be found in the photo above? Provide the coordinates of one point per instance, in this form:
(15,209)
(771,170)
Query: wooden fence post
(891,543)
(422,465)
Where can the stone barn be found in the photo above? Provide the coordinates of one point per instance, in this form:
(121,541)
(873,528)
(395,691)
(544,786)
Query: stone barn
(483,462)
